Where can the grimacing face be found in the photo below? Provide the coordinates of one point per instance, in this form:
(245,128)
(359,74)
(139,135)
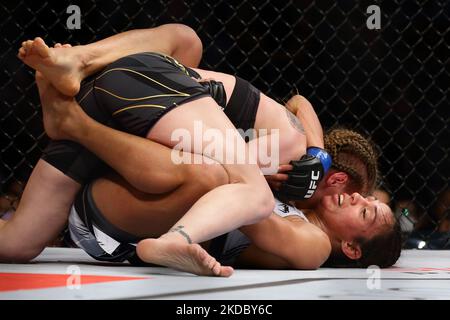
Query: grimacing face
(353,216)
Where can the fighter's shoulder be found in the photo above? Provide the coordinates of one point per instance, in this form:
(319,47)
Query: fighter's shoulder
(284,210)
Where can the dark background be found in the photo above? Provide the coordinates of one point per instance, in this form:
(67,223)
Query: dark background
(390,84)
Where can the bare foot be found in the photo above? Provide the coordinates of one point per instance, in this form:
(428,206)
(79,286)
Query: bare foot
(61,114)
(62,65)
(181,256)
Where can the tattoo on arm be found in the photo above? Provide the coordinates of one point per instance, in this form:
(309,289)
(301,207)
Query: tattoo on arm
(295,122)
(180,230)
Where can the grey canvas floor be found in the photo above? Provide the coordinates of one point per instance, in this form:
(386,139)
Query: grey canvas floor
(417,275)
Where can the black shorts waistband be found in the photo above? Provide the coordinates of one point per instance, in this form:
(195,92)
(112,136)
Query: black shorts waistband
(243,105)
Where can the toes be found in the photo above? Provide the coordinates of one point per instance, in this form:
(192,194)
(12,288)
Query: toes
(59,45)
(28,45)
(226,271)
(207,261)
(25,47)
(211,263)
(214,265)
(216,268)
(222,271)
(22,53)
(41,47)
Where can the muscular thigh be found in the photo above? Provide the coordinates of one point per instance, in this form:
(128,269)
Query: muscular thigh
(130,95)
(160,100)
(148,215)
(201,127)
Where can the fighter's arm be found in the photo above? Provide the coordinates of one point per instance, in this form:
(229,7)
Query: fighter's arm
(255,258)
(295,243)
(305,112)
(299,179)
(301,108)
(176,40)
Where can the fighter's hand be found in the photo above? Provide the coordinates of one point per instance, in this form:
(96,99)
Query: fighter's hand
(275,181)
(305,176)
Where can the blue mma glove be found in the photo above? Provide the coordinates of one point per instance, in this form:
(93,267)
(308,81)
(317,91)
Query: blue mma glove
(305,176)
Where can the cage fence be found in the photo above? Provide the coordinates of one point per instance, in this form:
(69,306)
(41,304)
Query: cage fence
(391,83)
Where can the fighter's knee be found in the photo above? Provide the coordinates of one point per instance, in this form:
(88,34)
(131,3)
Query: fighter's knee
(207,176)
(260,200)
(188,46)
(216,176)
(190,36)
(260,197)
(266,203)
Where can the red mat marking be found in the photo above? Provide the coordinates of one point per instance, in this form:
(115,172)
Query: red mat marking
(27,281)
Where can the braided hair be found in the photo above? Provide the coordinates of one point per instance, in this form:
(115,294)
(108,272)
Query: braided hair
(355,155)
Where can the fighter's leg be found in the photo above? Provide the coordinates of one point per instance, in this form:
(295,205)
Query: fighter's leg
(146,215)
(41,215)
(65,67)
(151,215)
(183,256)
(245,200)
(179,254)
(146,165)
(99,139)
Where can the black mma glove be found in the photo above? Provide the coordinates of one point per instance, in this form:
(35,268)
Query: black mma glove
(305,175)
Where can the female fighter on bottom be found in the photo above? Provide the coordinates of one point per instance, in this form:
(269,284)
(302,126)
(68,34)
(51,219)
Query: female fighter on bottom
(110,217)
